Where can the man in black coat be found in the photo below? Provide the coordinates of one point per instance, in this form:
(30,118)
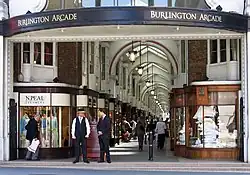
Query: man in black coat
(32,133)
(80,132)
(103,129)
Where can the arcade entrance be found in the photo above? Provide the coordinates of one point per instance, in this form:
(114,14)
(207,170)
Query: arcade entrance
(148,75)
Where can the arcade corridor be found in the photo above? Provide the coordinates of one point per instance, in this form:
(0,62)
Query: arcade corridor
(128,152)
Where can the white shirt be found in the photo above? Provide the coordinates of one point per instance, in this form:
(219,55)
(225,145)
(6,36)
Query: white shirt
(160,128)
(74,126)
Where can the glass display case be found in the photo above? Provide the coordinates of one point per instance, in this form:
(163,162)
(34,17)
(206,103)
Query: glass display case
(177,121)
(112,117)
(54,112)
(212,120)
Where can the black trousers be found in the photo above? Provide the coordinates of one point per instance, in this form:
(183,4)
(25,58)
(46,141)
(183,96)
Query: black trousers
(140,140)
(160,141)
(104,148)
(81,143)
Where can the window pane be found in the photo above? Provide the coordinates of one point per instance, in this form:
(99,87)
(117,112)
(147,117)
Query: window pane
(103,54)
(26,52)
(48,54)
(17,60)
(223,53)
(233,49)
(54,5)
(107,2)
(124,2)
(88,3)
(183,56)
(37,53)
(64,115)
(124,77)
(160,3)
(133,84)
(213,51)
(92,58)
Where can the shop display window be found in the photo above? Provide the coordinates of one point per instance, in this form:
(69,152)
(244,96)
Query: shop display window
(180,125)
(54,126)
(214,125)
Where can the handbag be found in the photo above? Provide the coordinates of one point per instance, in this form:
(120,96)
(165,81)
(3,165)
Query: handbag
(34,145)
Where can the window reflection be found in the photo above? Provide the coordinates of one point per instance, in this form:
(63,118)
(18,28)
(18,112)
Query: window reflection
(107,3)
(88,3)
(124,2)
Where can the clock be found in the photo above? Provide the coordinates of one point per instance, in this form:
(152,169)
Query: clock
(21,7)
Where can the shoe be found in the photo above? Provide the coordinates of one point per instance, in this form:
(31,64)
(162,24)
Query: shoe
(109,161)
(75,161)
(28,159)
(35,159)
(100,161)
(86,161)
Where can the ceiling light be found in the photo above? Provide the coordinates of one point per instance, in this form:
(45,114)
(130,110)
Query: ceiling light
(155,97)
(118,26)
(152,92)
(132,56)
(148,83)
(140,70)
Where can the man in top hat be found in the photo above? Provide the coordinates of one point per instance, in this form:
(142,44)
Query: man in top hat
(80,132)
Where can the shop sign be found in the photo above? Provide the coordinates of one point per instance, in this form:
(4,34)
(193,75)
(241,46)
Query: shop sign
(33,99)
(128,15)
(189,16)
(64,17)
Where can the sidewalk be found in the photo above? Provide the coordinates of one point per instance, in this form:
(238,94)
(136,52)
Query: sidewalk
(127,157)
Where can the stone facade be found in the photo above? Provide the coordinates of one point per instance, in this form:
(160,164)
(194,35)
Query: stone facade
(69,62)
(197,60)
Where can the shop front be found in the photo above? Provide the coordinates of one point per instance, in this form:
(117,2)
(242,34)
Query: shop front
(55,110)
(205,118)
(45,41)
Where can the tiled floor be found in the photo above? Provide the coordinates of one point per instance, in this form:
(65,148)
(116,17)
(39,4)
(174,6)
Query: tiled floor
(128,152)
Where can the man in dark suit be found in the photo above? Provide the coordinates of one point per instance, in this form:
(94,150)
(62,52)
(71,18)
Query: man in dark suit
(32,133)
(80,132)
(103,129)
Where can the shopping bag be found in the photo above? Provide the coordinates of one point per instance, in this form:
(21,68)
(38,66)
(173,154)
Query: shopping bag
(33,146)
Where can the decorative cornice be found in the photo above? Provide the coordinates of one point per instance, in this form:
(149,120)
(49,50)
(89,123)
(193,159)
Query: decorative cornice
(131,37)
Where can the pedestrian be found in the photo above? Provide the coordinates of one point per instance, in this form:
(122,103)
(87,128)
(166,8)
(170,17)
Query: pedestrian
(104,132)
(140,132)
(161,132)
(32,134)
(80,133)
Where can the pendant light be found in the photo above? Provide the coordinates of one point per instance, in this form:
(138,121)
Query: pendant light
(140,68)
(132,54)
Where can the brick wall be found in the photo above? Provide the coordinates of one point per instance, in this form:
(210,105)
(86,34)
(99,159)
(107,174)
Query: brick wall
(197,60)
(70,63)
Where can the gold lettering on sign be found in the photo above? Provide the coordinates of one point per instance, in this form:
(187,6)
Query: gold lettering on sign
(210,18)
(65,17)
(46,19)
(30,21)
(185,16)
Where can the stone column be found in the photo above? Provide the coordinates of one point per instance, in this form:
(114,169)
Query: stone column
(246,97)
(2,114)
(84,64)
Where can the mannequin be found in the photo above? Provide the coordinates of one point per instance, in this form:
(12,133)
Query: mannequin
(23,122)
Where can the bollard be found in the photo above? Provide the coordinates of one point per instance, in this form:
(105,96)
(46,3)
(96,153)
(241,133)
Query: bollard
(150,146)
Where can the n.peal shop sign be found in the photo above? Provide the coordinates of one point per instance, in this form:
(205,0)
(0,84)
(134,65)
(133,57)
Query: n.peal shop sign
(34,99)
